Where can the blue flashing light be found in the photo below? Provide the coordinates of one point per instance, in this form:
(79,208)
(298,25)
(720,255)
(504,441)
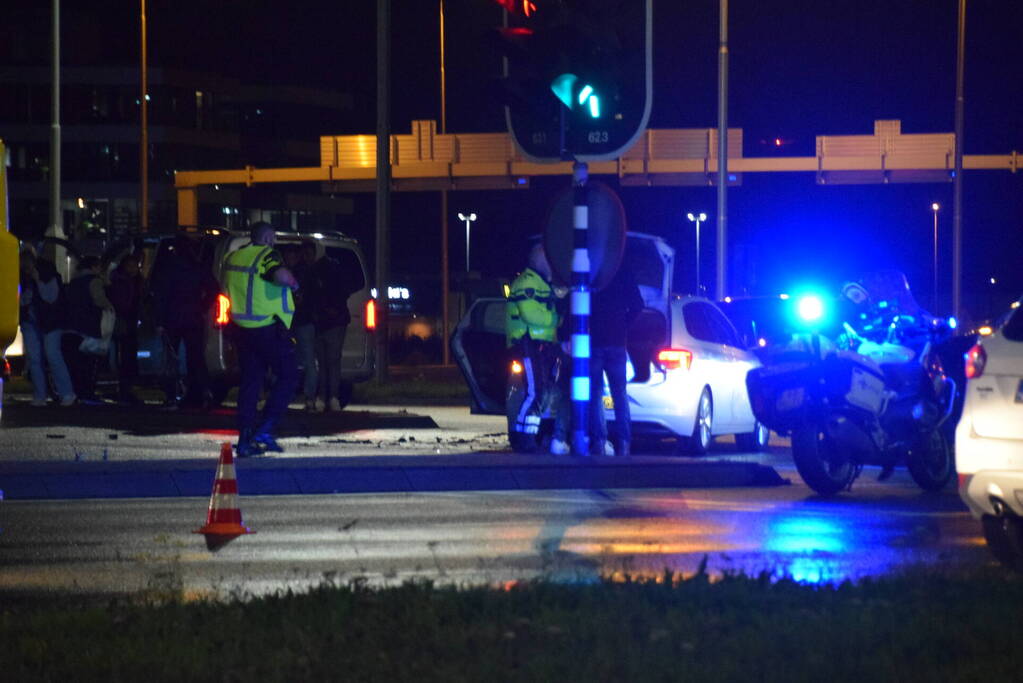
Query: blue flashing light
(594,106)
(810,308)
(952,322)
(585,93)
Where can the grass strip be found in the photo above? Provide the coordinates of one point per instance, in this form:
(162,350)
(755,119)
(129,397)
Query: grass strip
(918,626)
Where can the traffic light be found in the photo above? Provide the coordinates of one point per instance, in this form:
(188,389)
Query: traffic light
(577,80)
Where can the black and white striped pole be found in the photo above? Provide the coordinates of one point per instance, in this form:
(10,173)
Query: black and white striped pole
(580,313)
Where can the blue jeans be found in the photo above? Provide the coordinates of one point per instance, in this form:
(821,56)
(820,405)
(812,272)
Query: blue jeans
(42,351)
(305,337)
(610,360)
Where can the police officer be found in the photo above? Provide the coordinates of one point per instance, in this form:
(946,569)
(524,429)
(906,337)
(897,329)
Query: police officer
(262,307)
(531,324)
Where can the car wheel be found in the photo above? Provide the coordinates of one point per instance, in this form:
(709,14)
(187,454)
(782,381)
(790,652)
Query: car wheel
(1004,537)
(699,442)
(755,441)
(219,389)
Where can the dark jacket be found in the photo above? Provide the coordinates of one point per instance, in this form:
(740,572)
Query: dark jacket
(183,290)
(83,314)
(614,308)
(332,287)
(125,293)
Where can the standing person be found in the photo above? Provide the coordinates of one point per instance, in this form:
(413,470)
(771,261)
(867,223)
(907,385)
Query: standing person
(125,293)
(332,287)
(613,309)
(184,292)
(43,316)
(531,325)
(262,307)
(303,325)
(87,301)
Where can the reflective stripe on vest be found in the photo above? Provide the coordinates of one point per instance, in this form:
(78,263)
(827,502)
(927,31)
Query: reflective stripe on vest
(247,316)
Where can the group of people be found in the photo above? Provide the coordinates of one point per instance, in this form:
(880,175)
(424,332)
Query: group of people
(67,328)
(321,317)
(534,326)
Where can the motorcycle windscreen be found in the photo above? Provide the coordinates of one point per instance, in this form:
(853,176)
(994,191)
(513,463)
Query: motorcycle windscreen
(997,395)
(478,347)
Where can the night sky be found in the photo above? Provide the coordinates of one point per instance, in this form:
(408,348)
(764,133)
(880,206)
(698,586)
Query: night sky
(798,69)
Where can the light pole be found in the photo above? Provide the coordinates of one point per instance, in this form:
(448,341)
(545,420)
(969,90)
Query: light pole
(697,218)
(468,224)
(934,295)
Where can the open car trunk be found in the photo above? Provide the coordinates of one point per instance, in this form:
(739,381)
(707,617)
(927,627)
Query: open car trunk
(478,341)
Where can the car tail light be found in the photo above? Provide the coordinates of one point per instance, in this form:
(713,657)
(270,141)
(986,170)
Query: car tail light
(222,312)
(371,314)
(516,367)
(976,359)
(673,359)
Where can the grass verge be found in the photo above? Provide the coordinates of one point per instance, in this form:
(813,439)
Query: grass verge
(919,626)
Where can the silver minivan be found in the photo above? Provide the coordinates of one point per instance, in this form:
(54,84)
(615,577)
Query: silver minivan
(214,244)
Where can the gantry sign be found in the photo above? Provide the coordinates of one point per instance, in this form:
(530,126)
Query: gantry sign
(425,160)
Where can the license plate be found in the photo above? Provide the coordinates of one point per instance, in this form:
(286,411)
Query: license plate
(609,403)
(790,399)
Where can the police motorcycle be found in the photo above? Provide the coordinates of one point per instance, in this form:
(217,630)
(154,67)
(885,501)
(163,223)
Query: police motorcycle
(876,394)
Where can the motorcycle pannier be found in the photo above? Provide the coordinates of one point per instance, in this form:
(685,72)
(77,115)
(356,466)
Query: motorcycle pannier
(787,395)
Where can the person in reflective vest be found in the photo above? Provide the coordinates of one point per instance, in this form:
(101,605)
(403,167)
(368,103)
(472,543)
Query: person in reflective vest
(531,325)
(262,307)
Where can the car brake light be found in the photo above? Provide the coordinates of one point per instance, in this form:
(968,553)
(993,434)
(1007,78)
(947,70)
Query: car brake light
(673,359)
(976,359)
(223,310)
(516,367)
(371,314)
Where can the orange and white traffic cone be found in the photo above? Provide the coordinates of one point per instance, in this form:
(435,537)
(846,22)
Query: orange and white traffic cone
(224,519)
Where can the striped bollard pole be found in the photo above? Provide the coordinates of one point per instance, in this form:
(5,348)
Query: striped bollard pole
(580,314)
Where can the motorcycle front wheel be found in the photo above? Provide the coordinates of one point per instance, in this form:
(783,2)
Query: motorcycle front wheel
(932,463)
(819,462)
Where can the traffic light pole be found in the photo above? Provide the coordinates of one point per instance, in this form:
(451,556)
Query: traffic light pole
(580,313)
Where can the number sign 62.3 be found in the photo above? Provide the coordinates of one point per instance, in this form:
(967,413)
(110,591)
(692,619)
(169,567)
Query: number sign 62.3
(597,137)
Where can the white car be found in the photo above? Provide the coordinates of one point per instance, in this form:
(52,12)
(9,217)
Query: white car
(693,385)
(989,439)
(687,366)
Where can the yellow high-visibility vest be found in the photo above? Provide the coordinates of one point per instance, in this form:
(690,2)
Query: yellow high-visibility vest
(530,309)
(255,302)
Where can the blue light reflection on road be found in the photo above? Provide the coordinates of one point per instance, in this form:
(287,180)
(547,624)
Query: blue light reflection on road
(814,546)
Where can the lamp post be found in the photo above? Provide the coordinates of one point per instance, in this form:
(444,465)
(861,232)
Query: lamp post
(934,295)
(697,218)
(468,219)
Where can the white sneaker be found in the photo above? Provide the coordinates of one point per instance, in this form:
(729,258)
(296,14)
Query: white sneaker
(335,405)
(609,450)
(559,447)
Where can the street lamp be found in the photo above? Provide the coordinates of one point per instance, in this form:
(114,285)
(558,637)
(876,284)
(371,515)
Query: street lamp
(934,300)
(468,224)
(697,218)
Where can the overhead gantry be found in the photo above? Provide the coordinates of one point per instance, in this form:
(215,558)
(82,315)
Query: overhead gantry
(425,160)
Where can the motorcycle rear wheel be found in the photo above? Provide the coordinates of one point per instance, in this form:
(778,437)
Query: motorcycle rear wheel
(932,463)
(819,462)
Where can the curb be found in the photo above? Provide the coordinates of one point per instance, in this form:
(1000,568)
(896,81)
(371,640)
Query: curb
(378,474)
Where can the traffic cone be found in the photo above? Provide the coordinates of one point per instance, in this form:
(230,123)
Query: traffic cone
(224,519)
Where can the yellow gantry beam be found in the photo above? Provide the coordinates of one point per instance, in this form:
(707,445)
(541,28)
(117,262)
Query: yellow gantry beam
(426,160)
